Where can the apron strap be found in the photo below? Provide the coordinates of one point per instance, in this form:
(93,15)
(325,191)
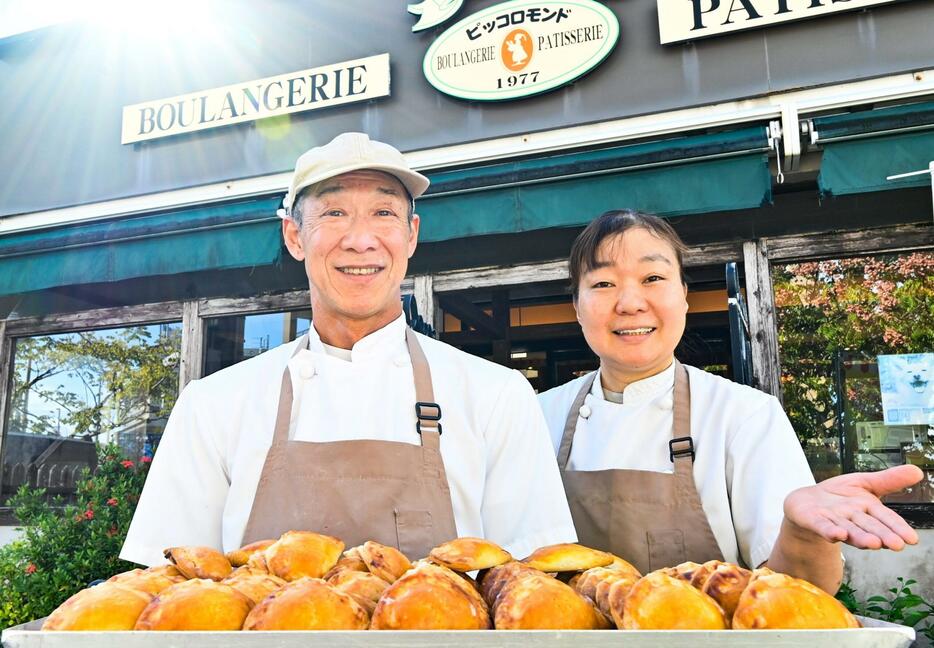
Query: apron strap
(284,411)
(570,425)
(427,411)
(681,446)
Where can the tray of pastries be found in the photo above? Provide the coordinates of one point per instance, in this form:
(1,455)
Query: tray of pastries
(305,586)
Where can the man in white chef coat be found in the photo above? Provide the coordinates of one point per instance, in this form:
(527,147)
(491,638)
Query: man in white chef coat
(361,429)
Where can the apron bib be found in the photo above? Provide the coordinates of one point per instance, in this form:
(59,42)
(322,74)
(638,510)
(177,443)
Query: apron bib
(392,492)
(650,519)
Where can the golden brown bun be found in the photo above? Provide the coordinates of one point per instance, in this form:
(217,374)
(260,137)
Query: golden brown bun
(659,601)
(169,571)
(151,582)
(597,585)
(779,601)
(239,557)
(725,584)
(567,557)
(108,606)
(199,562)
(302,553)
(198,604)
(307,604)
(430,597)
(256,586)
(469,554)
(363,587)
(257,561)
(536,601)
(386,562)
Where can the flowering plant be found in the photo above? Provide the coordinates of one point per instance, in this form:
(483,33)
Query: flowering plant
(63,548)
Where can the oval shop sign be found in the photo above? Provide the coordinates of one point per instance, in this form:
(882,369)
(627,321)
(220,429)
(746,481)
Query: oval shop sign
(521,48)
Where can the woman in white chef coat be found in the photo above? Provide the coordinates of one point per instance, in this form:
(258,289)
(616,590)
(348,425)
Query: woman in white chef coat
(664,463)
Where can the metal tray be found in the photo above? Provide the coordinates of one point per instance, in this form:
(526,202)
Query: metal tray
(876,634)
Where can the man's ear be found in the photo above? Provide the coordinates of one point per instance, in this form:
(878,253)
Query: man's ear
(292,236)
(413,234)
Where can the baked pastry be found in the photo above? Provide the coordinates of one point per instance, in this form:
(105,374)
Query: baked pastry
(199,562)
(774,600)
(659,601)
(197,604)
(108,606)
(723,582)
(616,599)
(239,557)
(302,553)
(257,561)
(493,580)
(685,571)
(256,586)
(621,565)
(469,554)
(307,604)
(386,562)
(430,597)
(567,557)
(152,582)
(535,601)
(364,587)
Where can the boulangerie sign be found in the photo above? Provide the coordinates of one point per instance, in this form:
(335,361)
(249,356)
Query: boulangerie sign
(321,87)
(682,20)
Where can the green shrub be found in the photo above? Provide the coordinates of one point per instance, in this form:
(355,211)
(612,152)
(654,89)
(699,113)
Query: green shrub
(903,606)
(63,548)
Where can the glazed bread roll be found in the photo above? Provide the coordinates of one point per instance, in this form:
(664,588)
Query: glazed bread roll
(297,554)
(197,604)
(567,557)
(659,601)
(535,601)
(199,562)
(239,557)
(307,604)
(774,600)
(363,587)
(469,554)
(385,562)
(255,586)
(151,582)
(108,606)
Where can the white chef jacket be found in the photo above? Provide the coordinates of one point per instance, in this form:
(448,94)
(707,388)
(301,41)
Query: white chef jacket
(747,456)
(504,479)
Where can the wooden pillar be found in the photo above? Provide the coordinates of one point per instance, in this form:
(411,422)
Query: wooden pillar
(424,294)
(501,345)
(191,364)
(763,327)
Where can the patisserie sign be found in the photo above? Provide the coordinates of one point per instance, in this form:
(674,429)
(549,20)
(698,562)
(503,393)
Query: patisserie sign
(521,48)
(682,20)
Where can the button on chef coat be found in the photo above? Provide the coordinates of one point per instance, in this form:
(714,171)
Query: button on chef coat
(504,480)
(748,457)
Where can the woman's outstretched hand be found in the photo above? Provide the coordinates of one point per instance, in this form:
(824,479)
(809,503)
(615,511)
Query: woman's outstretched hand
(847,509)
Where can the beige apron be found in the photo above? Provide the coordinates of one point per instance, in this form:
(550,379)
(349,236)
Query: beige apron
(650,519)
(392,492)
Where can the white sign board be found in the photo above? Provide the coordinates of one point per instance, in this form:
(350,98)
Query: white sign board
(321,87)
(907,385)
(681,20)
(521,48)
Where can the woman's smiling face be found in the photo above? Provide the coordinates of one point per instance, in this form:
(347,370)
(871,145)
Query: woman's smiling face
(632,306)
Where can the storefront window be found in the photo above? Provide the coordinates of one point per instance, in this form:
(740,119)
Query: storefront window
(843,323)
(229,340)
(72,392)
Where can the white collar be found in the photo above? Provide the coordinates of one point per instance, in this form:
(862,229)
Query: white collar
(640,390)
(384,342)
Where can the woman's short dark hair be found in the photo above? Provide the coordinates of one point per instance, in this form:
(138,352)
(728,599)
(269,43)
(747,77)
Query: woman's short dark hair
(612,223)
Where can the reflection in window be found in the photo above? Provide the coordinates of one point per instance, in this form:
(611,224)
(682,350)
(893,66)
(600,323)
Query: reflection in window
(835,318)
(229,340)
(74,391)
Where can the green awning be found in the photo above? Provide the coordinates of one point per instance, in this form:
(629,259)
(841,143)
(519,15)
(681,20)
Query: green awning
(685,175)
(235,235)
(862,149)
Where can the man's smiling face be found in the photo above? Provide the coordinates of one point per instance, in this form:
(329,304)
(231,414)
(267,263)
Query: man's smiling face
(355,241)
